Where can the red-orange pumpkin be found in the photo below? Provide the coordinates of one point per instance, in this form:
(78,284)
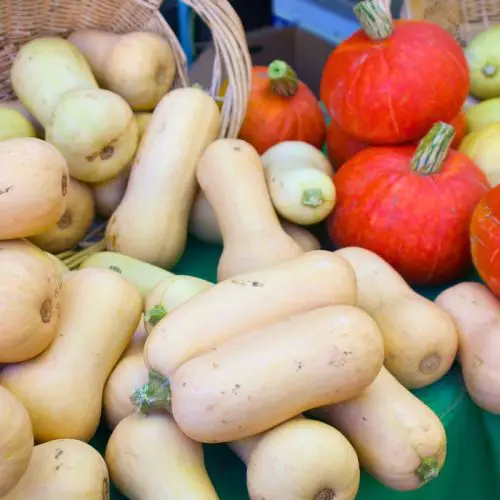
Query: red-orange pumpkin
(391,81)
(410,205)
(281,108)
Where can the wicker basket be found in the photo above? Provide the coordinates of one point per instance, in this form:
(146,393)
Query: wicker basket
(23,20)
(463,18)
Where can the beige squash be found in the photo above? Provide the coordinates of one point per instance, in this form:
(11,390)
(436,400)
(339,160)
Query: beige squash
(74,222)
(16,441)
(34,186)
(29,294)
(99,314)
(231,175)
(61,267)
(399,440)
(248,302)
(64,469)
(14,124)
(307,241)
(149,458)
(420,338)
(139,66)
(18,106)
(151,222)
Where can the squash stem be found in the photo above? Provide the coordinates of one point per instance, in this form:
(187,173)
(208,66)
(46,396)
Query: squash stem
(283,78)
(428,469)
(155,314)
(155,395)
(375,19)
(312,197)
(433,148)
(74,261)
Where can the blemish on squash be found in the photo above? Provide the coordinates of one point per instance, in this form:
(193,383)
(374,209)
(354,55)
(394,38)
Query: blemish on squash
(236,148)
(58,467)
(107,153)
(299,366)
(116,269)
(64,185)
(58,453)
(161,75)
(46,312)
(6,190)
(105,488)
(325,494)
(235,389)
(66,219)
(430,363)
(248,283)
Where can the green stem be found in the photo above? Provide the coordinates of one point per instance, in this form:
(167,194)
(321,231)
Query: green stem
(433,149)
(375,19)
(283,78)
(428,469)
(489,70)
(155,314)
(312,197)
(155,395)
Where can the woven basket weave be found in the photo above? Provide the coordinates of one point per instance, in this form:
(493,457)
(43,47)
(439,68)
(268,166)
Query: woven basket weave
(23,20)
(464,19)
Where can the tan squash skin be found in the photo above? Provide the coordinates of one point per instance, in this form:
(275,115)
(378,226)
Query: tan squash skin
(248,302)
(74,222)
(149,458)
(138,66)
(100,311)
(64,469)
(420,338)
(307,241)
(151,222)
(62,268)
(391,430)
(231,175)
(320,357)
(16,441)
(476,312)
(19,106)
(34,187)
(30,298)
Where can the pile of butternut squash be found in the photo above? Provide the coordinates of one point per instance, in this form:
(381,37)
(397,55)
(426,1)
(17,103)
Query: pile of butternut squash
(300,359)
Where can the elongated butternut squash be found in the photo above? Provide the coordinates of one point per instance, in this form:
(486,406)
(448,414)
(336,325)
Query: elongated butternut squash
(151,222)
(247,302)
(99,313)
(231,175)
(476,312)
(420,338)
(399,440)
(149,458)
(65,469)
(323,356)
(16,441)
(300,460)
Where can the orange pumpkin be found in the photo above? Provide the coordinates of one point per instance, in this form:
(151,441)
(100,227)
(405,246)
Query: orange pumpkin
(281,108)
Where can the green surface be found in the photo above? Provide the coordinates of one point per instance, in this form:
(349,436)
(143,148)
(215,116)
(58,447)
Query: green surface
(472,468)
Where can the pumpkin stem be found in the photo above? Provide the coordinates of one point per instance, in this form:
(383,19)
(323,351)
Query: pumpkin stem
(433,149)
(312,197)
(375,19)
(428,469)
(489,70)
(283,78)
(155,395)
(155,314)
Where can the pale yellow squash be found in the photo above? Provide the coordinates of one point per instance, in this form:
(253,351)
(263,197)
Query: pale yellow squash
(18,106)
(14,124)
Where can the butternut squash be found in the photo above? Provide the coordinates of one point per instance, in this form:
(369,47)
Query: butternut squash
(300,460)
(65,469)
(139,66)
(420,338)
(149,458)
(14,124)
(323,356)
(16,441)
(476,312)
(399,440)
(18,106)
(248,302)
(74,222)
(61,267)
(151,221)
(29,294)
(34,186)
(231,175)
(99,313)
(306,240)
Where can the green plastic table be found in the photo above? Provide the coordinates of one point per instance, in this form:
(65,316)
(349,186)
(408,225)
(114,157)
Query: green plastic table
(472,468)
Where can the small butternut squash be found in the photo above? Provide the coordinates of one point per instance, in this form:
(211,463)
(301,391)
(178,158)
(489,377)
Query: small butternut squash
(14,124)
(151,221)
(16,441)
(420,338)
(65,469)
(248,302)
(34,186)
(74,222)
(399,440)
(29,294)
(231,175)
(99,313)
(18,106)
(320,357)
(139,66)
(476,312)
(149,458)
